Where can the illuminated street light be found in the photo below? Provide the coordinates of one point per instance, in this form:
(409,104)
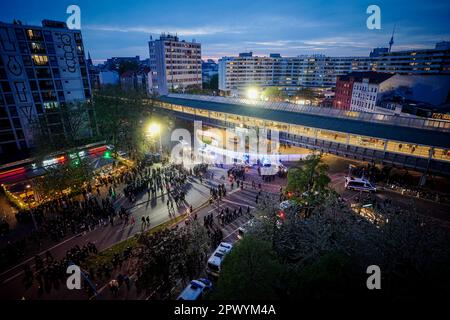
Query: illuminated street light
(252,93)
(154,129)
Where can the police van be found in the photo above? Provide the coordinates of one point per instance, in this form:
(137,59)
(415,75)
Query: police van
(359,184)
(216,259)
(195,290)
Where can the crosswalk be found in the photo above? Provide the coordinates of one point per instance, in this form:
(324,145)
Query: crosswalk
(235,199)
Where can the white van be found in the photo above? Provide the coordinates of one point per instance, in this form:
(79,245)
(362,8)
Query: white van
(215,261)
(244,228)
(195,290)
(359,184)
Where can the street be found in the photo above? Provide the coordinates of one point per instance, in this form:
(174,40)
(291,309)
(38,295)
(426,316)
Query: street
(198,195)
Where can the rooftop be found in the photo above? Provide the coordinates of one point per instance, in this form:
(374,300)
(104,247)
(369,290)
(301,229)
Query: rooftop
(413,130)
(374,77)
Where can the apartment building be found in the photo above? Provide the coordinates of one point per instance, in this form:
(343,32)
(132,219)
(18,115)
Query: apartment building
(288,73)
(319,71)
(176,64)
(42,69)
(367,88)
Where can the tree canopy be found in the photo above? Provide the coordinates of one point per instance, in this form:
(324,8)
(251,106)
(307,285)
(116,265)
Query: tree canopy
(251,271)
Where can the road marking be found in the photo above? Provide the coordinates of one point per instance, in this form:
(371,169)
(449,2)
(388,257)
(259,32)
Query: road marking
(238,203)
(231,233)
(39,254)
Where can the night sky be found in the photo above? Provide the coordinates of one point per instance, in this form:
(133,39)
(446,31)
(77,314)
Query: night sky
(337,28)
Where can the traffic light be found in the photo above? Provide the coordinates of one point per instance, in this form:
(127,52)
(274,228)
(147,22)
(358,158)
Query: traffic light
(107,154)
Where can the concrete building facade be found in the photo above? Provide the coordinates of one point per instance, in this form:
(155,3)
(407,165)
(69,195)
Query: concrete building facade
(177,64)
(42,70)
(319,71)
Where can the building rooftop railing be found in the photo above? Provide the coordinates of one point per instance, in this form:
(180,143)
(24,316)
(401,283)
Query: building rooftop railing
(404,121)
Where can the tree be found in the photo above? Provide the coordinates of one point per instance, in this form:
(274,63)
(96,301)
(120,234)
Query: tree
(213,83)
(128,66)
(77,127)
(72,174)
(308,181)
(305,94)
(118,120)
(250,272)
(273,93)
(171,255)
(326,254)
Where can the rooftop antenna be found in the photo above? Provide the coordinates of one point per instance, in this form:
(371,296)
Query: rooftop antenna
(391,42)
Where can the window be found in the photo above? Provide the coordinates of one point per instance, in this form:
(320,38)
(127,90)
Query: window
(19,34)
(37,47)
(26,60)
(9,98)
(30,73)
(36,97)
(50,48)
(39,108)
(6,87)
(58,85)
(40,60)
(48,36)
(51,105)
(17,124)
(23,48)
(53,61)
(43,73)
(13,111)
(34,35)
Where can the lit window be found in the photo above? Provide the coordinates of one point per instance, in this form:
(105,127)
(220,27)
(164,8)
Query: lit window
(40,60)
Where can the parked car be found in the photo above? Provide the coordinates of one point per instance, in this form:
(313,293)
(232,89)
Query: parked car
(196,289)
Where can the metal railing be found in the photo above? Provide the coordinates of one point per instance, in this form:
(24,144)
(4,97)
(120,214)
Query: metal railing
(396,120)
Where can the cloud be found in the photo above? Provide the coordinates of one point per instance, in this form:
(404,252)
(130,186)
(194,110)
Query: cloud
(195,31)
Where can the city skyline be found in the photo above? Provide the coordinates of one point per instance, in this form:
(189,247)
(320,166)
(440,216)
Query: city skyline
(337,28)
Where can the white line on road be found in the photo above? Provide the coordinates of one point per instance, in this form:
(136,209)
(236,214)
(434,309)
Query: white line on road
(28,260)
(238,203)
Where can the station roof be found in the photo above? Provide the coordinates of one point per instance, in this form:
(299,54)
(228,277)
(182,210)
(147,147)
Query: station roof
(371,129)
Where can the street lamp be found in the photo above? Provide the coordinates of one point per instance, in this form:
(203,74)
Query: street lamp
(251,94)
(154,129)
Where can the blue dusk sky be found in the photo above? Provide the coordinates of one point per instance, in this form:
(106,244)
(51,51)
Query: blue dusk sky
(331,27)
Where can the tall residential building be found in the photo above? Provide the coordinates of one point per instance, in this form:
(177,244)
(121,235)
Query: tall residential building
(289,73)
(177,65)
(42,68)
(425,61)
(319,71)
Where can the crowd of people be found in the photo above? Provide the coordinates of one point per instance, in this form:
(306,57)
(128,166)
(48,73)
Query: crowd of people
(227,216)
(171,180)
(50,273)
(55,219)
